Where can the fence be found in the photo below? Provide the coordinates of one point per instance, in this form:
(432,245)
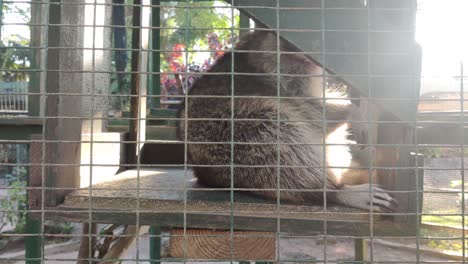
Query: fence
(14,97)
(114,175)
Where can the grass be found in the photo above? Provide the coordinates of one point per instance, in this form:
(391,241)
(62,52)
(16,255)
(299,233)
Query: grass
(454,221)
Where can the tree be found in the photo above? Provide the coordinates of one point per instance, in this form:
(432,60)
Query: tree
(15,59)
(190,31)
(15,54)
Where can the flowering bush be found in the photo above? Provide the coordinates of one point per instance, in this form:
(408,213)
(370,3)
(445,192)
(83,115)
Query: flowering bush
(179,75)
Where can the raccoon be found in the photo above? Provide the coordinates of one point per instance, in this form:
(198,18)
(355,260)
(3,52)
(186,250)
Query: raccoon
(272,107)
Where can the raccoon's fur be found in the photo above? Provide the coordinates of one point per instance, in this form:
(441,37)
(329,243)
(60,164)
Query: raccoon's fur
(302,130)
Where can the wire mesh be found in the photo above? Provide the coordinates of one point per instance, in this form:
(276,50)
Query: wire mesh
(98,111)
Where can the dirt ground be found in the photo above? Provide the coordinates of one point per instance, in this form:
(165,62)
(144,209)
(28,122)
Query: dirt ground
(292,250)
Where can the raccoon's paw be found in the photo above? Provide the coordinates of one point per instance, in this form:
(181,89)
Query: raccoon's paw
(360,196)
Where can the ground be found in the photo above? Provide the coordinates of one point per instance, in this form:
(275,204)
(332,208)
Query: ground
(291,249)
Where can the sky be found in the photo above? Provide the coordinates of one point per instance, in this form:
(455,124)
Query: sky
(441,30)
(14,18)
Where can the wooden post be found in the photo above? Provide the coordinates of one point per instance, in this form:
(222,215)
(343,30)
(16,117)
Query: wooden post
(140,37)
(87,244)
(64,77)
(36,83)
(96,74)
(359,250)
(135,83)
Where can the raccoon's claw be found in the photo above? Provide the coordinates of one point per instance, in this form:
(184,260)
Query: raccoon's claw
(360,196)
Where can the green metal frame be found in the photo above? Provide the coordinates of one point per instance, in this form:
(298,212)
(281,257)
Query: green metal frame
(154,82)
(155,244)
(33,242)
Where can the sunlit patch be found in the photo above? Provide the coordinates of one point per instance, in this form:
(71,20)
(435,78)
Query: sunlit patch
(338,156)
(101,175)
(337,98)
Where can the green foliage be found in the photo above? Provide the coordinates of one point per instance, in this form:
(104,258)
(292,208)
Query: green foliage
(14,52)
(444,220)
(191,24)
(185,26)
(447,245)
(14,56)
(13,200)
(58,228)
(12,206)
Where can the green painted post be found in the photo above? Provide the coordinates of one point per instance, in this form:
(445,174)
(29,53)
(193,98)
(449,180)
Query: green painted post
(359,250)
(155,79)
(155,244)
(1,17)
(35,41)
(33,242)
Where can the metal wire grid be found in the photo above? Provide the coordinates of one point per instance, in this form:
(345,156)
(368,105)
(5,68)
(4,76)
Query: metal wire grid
(139,188)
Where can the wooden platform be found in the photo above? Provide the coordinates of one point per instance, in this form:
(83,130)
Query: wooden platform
(172,198)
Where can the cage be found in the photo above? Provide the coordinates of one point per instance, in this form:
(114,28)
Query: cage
(118,109)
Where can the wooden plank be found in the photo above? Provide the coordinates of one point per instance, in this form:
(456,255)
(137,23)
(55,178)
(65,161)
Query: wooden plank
(217,244)
(334,225)
(404,168)
(169,198)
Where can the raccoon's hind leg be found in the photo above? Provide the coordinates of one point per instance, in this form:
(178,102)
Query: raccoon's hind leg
(360,196)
